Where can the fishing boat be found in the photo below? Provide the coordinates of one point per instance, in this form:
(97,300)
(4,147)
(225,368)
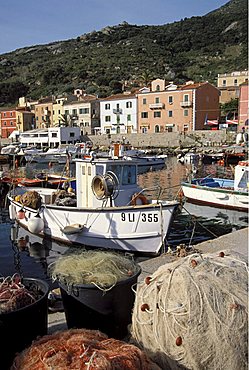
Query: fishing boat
(109,209)
(219,192)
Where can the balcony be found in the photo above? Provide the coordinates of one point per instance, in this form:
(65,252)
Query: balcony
(156,106)
(186,104)
(117,111)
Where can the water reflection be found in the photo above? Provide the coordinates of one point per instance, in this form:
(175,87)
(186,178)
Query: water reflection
(29,255)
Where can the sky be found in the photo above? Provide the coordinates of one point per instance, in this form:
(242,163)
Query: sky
(34,22)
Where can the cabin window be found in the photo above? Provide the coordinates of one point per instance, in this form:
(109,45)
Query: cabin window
(129,175)
(244,180)
(116,169)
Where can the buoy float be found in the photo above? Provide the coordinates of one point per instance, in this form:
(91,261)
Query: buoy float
(35,224)
(21,214)
(138,199)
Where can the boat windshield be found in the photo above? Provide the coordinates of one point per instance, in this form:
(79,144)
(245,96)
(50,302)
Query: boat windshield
(125,173)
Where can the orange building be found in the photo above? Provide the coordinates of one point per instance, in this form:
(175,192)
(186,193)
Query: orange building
(175,108)
(243,106)
(44,113)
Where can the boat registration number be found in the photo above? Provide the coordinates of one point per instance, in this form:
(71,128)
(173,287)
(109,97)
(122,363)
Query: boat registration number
(145,217)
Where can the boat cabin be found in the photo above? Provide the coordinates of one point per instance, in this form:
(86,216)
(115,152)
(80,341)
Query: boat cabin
(105,180)
(241,176)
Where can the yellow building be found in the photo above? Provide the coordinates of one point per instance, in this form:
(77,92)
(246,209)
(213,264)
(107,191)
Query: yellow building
(228,84)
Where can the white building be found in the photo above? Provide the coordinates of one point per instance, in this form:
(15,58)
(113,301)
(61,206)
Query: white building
(118,114)
(50,137)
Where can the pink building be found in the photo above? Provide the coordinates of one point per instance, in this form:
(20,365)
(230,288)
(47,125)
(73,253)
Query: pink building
(175,108)
(243,106)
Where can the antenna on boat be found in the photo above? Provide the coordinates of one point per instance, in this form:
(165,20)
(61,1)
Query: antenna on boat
(105,186)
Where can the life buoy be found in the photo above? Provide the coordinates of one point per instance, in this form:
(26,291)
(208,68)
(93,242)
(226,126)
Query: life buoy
(138,199)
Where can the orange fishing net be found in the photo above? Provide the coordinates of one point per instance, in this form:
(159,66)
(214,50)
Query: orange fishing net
(82,349)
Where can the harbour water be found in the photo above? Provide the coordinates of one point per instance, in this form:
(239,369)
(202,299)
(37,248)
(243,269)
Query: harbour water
(22,252)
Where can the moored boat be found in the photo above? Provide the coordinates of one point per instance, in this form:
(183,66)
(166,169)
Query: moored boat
(219,192)
(109,210)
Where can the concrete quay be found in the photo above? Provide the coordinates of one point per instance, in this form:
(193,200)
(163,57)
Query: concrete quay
(236,241)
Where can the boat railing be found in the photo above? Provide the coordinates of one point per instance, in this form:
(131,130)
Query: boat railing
(157,190)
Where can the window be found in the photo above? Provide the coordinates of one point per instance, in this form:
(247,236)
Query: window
(128,104)
(108,118)
(74,112)
(66,112)
(157,100)
(71,134)
(128,117)
(185,112)
(170,99)
(157,87)
(5,123)
(144,114)
(4,114)
(86,124)
(235,82)
(224,82)
(157,128)
(144,101)
(84,111)
(185,97)
(11,114)
(170,113)
(59,112)
(157,114)
(54,134)
(107,106)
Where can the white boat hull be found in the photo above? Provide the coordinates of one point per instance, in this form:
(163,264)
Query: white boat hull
(217,197)
(140,228)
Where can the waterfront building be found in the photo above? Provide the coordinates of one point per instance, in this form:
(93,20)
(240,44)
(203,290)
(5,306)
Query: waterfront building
(118,114)
(229,85)
(83,113)
(243,106)
(173,108)
(8,121)
(44,112)
(51,137)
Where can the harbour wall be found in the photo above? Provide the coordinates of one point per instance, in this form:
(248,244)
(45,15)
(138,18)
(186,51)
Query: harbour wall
(203,138)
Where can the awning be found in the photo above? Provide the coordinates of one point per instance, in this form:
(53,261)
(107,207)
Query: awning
(232,121)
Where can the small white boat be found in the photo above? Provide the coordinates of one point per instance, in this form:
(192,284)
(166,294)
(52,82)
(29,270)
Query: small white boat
(109,211)
(222,193)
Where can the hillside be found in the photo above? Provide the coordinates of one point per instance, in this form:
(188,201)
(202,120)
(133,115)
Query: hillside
(195,48)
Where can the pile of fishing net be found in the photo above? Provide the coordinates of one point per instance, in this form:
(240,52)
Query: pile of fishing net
(14,294)
(31,199)
(192,313)
(100,268)
(82,349)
